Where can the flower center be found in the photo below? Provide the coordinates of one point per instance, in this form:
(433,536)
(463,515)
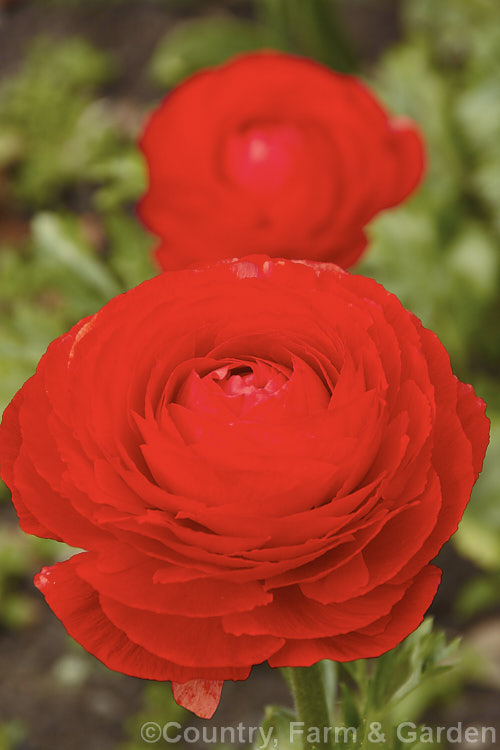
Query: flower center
(248,386)
(234,387)
(262,157)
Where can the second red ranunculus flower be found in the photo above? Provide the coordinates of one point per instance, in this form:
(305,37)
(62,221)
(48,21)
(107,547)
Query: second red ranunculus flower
(275,154)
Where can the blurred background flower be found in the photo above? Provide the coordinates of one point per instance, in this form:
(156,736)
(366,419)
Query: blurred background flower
(275,154)
(77,78)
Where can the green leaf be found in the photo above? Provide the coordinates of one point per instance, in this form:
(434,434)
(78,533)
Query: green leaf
(130,249)
(480,594)
(428,654)
(399,685)
(478,112)
(276,725)
(41,111)
(478,536)
(122,178)
(61,245)
(350,712)
(204,42)
(313,28)
(474,259)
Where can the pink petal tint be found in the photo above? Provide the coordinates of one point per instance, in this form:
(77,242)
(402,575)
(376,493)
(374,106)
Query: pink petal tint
(262,157)
(199,696)
(234,389)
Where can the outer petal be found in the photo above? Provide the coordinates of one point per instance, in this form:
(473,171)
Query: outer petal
(471,411)
(77,605)
(140,584)
(10,444)
(374,640)
(200,643)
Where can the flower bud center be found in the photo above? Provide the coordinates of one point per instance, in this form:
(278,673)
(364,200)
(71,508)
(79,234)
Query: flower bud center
(249,386)
(262,157)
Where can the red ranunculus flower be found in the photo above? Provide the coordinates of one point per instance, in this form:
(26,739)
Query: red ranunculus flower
(260,459)
(273,154)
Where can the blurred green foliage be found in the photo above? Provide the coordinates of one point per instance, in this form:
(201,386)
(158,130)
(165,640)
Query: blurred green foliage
(62,147)
(207,41)
(288,25)
(159,707)
(12,734)
(440,252)
(20,558)
(69,176)
(58,278)
(48,124)
(478,536)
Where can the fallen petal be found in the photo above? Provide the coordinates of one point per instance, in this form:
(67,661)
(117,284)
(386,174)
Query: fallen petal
(199,696)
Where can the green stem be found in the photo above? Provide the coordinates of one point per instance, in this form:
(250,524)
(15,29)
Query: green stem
(308,690)
(311,27)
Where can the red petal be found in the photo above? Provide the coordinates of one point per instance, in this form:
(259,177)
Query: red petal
(199,696)
(77,605)
(476,424)
(371,641)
